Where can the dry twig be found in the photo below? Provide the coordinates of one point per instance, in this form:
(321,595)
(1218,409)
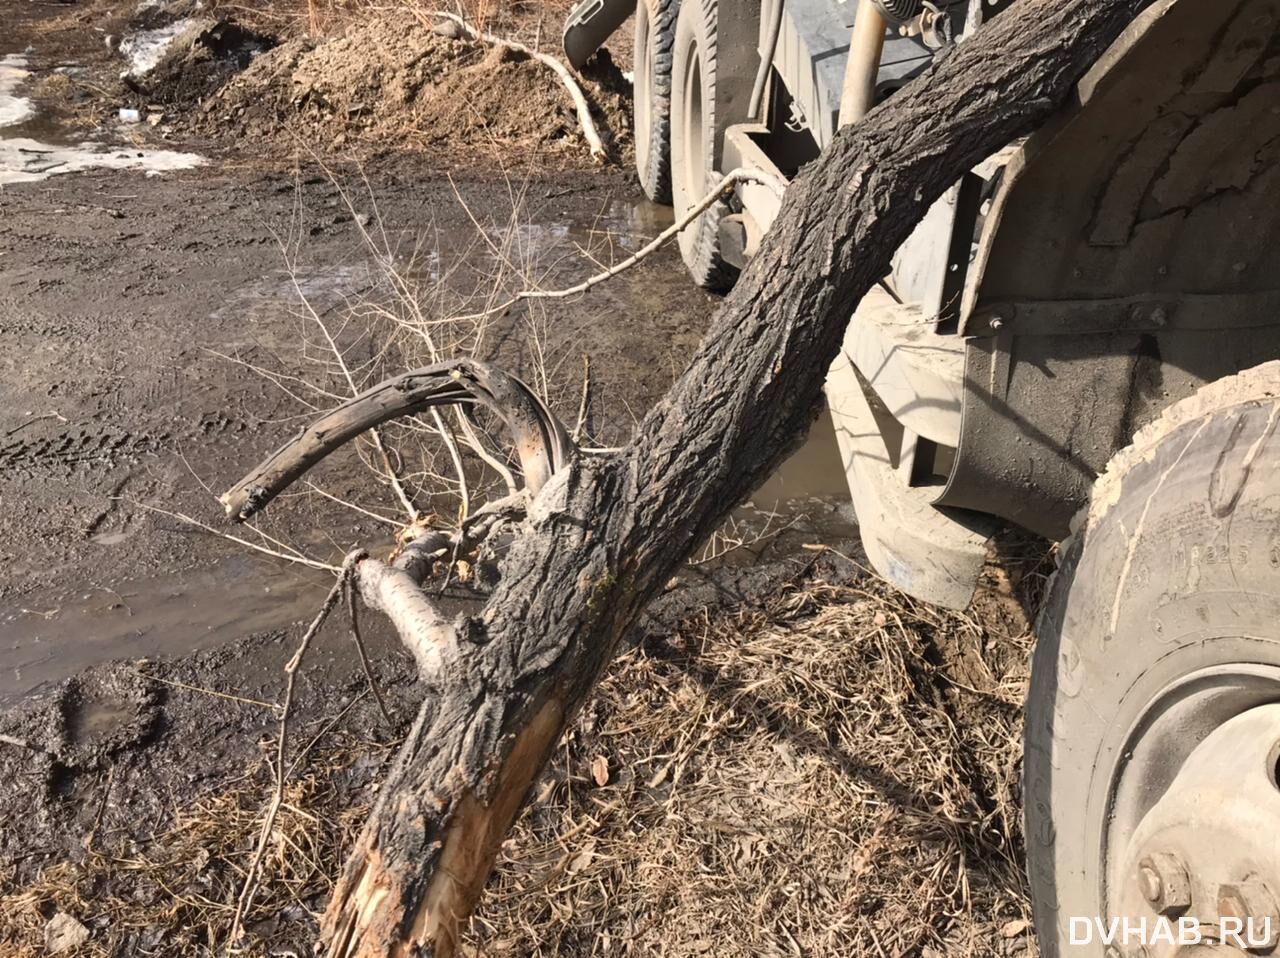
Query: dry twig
(245,899)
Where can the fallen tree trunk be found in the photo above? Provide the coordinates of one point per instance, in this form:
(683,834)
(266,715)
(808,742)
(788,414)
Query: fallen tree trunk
(605,532)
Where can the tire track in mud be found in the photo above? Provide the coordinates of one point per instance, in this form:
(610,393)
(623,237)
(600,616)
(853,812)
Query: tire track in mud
(65,452)
(69,450)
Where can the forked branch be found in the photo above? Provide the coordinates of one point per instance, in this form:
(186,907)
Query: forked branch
(541,442)
(606,532)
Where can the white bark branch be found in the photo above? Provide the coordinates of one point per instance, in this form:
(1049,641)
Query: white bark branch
(425,631)
(562,71)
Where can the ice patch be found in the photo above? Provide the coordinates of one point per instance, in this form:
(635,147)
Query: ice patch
(13,108)
(25,161)
(144,49)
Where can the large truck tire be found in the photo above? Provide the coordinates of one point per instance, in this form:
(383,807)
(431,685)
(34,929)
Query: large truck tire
(693,131)
(1152,737)
(651,99)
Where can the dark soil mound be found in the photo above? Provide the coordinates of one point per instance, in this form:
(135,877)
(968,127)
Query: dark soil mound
(200,60)
(394,83)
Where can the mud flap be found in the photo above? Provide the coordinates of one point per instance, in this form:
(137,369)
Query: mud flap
(931,553)
(589,24)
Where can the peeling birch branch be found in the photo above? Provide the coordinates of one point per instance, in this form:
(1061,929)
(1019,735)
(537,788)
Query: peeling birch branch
(571,85)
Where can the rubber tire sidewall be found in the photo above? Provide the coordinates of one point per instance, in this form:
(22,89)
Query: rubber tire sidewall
(651,99)
(1176,570)
(695,48)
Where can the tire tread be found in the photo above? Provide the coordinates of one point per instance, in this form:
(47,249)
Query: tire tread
(653,159)
(702,250)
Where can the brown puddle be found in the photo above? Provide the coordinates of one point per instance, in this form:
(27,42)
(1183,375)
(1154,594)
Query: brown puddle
(47,637)
(805,503)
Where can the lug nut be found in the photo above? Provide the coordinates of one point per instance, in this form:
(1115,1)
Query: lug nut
(1164,883)
(1152,887)
(1254,906)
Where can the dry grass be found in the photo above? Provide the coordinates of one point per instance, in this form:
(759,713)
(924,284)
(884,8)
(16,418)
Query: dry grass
(833,773)
(804,779)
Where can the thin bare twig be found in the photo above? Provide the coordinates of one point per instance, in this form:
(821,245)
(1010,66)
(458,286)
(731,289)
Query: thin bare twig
(740,175)
(585,402)
(52,414)
(478,447)
(334,348)
(195,688)
(351,505)
(451,445)
(250,885)
(298,557)
(350,591)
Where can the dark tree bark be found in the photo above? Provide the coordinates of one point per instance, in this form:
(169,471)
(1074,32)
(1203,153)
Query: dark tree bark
(606,532)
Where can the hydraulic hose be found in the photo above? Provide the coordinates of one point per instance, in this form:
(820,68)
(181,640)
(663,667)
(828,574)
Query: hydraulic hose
(766,62)
(866,46)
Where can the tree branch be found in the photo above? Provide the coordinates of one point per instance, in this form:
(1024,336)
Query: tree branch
(570,84)
(428,635)
(541,441)
(605,532)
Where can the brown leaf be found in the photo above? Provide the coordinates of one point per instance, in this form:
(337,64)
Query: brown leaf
(600,770)
(64,933)
(582,859)
(1013,929)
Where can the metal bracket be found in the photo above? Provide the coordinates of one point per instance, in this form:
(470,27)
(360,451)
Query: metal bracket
(1137,314)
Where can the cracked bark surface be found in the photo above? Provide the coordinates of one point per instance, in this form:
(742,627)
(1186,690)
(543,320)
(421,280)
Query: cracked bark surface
(605,532)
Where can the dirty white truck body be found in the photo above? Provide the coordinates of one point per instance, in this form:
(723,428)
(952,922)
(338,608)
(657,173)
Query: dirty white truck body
(1061,313)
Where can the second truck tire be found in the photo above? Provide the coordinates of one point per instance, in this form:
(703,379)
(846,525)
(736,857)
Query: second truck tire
(651,101)
(693,131)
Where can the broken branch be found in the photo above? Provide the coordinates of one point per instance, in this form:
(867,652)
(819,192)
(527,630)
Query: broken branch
(606,532)
(541,441)
(423,629)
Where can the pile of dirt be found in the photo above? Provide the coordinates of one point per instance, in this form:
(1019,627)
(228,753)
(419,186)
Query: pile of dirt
(391,82)
(199,60)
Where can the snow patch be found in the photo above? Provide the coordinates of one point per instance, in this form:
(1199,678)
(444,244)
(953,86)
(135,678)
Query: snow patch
(24,161)
(144,49)
(13,71)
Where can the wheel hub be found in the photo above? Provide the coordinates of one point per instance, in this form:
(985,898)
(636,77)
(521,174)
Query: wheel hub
(1199,873)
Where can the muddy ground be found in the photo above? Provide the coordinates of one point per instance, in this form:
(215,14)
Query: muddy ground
(126,299)
(785,739)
